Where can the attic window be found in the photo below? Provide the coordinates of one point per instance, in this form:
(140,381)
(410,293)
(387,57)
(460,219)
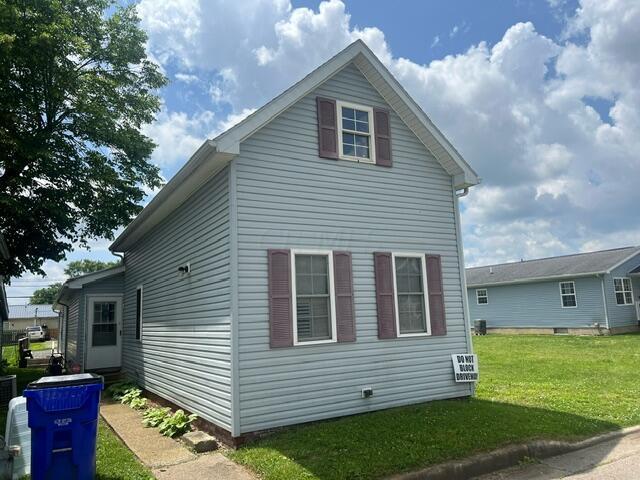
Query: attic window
(355,128)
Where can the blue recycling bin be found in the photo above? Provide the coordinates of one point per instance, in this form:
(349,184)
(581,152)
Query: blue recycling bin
(63,417)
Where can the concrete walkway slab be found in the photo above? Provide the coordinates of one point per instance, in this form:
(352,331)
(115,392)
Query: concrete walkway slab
(153,449)
(214,466)
(167,458)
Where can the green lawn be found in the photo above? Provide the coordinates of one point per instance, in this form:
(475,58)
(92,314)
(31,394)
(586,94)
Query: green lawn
(114,461)
(530,387)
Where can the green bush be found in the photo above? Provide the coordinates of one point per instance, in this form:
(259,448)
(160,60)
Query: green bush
(177,424)
(139,403)
(117,390)
(153,417)
(132,395)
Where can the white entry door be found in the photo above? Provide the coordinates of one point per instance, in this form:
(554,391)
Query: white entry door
(104,332)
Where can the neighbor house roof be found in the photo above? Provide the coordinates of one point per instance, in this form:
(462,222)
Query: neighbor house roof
(31,311)
(79,282)
(580,264)
(214,154)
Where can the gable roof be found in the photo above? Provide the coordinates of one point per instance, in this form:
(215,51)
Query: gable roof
(79,282)
(567,266)
(32,311)
(214,154)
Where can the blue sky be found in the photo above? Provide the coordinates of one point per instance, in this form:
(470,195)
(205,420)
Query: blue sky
(542,98)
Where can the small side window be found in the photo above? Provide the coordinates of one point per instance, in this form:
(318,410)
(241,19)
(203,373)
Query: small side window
(139,313)
(568,294)
(482,296)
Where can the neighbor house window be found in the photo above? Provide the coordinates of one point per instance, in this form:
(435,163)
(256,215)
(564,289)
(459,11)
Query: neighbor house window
(482,297)
(568,294)
(355,130)
(412,306)
(314,303)
(624,292)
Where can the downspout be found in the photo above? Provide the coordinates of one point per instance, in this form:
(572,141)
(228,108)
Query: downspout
(604,302)
(462,193)
(466,317)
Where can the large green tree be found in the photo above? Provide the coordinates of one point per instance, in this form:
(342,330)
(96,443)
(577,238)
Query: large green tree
(75,88)
(72,270)
(82,267)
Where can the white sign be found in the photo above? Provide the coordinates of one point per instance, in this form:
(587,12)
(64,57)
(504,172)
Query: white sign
(465,367)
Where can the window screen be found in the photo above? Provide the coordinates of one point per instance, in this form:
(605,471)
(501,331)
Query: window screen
(313,299)
(568,294)
(410,292)
(624,292)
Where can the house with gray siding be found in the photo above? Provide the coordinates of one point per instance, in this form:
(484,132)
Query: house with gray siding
(305,264)
(586,293)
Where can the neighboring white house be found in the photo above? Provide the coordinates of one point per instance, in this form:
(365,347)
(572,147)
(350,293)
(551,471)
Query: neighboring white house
(585,293)
(4,307)
(301,260)
(23,316)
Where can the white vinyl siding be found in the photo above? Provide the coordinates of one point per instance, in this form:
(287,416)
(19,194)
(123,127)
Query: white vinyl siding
(568,297)
(624,291)
(288,197)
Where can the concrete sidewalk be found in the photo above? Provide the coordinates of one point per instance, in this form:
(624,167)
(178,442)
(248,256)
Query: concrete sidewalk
(617,459)
(168,459)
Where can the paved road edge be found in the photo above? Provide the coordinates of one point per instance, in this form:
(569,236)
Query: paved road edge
(508,456)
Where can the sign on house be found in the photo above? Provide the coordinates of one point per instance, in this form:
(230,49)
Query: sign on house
(465,367)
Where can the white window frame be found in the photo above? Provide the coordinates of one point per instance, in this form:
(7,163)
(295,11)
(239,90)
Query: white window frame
(139,327)
(623,291)
(371,134)
(294,297)
(486,295)
(574,294)
(425,293)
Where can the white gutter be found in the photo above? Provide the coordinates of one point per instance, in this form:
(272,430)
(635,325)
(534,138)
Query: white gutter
(604,302)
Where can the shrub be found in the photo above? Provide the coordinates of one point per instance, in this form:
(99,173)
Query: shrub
(117,390)
(134,394)
(139,403)
(153,417)
(177,424)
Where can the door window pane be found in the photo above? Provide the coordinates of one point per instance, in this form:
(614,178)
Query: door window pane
(313,307)
(104,324)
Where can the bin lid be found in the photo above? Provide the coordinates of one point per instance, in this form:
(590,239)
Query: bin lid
(66,381)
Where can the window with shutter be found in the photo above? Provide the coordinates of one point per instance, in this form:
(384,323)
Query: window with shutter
(411,301)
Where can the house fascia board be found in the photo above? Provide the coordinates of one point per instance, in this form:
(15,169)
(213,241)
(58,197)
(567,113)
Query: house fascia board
(79,282)
(534,280)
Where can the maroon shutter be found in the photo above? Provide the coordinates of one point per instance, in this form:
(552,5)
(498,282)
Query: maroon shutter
(343,282)
(383,137)
(436,295)
(327,128)
(280,315)
(385,302)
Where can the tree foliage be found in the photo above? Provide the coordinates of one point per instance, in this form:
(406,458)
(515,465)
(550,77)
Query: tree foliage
(46,295)
(81,267)
(75,89)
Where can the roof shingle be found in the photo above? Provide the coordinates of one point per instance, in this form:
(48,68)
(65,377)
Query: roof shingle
(567,265)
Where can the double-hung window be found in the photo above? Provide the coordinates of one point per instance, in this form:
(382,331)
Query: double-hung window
(624,291)
(355,130)
(412,305)
(568,294)
(482,297)
(313,298)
